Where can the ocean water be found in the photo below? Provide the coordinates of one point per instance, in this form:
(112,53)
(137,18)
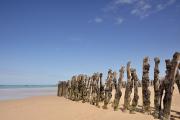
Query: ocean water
(10,92)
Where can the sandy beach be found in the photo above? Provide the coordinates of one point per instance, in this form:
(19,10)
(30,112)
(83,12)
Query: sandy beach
(59,108)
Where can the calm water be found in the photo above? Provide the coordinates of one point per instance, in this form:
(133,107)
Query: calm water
(9,92)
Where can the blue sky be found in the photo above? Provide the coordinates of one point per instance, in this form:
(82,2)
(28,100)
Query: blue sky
(43,41)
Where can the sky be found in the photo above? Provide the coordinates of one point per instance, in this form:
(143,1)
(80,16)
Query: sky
(44,41)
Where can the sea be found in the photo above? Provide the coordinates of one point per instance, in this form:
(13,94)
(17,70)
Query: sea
(11,92)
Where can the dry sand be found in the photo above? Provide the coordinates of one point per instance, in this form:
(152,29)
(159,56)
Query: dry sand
(59,108)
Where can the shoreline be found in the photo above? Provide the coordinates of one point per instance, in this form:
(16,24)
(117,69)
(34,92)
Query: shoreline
(19,93)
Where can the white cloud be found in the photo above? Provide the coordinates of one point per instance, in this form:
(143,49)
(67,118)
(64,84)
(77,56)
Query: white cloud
(146,7)
(119,20)
(161,6)
(124,1)
(171,2)
(134,11)
(98,20)
(141,8)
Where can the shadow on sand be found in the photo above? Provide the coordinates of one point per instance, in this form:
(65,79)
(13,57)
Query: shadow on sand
(175,116)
